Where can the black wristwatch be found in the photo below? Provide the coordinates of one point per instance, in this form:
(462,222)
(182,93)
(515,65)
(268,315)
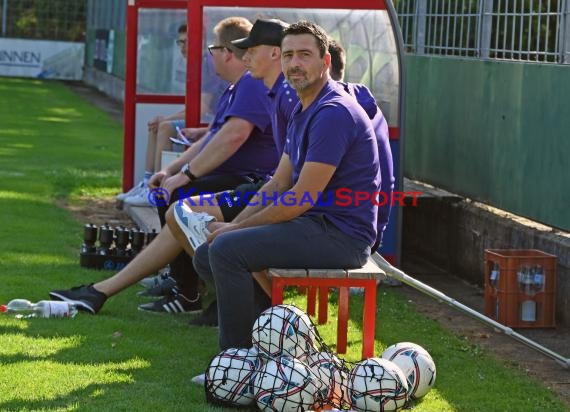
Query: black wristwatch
(186,170)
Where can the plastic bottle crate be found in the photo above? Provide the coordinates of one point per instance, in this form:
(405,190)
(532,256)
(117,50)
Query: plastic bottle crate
(111,248)
(105,262)
(510,261)
(514,277)
(510,310)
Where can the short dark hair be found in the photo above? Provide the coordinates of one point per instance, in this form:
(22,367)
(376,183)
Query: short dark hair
(308,27)
(338,59)
(182,28)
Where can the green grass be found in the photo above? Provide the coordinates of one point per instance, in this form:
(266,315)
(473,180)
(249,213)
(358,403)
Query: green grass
(56,148)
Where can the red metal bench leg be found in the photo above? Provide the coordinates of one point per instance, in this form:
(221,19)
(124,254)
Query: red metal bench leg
(369,320)
(277,285)
(323,304)
(311,300)
(342,325)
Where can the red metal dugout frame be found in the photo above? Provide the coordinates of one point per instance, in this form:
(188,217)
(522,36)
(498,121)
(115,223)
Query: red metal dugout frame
(193,80)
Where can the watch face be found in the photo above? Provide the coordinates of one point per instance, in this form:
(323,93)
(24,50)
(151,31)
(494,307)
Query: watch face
(186,170)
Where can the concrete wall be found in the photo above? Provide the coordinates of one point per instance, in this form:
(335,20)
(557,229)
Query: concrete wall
(493,131)
(454,232)
(112,86)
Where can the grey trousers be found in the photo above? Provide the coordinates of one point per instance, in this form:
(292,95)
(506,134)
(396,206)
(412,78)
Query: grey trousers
(304,242)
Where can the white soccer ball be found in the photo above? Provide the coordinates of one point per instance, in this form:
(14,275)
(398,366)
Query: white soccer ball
(229,377)
(285,384)
(377,384)
(332,376)
(418,368)
(284,330)
(392,350)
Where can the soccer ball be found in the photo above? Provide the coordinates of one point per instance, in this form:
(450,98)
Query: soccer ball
(284,330)
(285,384)
(396,348)
(229,377)
(377,384)
(418,368)
(332,376)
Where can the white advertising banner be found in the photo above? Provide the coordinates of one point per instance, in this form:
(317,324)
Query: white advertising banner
(41,58)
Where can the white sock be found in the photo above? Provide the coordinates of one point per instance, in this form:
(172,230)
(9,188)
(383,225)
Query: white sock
(146,178)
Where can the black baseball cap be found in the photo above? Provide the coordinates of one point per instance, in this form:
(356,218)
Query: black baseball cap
(268,32)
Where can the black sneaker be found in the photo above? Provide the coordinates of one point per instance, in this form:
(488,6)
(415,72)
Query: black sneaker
(161,289)
(174,302)
(86,298)
(208,318)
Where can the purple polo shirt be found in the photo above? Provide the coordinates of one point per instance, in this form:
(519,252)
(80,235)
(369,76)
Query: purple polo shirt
(247,100)
(364,97)
(335,130)
(283,100)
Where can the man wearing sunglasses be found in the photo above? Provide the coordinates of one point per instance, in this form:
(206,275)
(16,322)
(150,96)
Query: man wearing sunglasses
(238,148)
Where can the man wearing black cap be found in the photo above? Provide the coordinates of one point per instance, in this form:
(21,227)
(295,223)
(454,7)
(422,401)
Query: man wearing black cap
(263,60)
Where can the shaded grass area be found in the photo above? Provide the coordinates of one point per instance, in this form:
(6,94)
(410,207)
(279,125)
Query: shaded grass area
(56,148)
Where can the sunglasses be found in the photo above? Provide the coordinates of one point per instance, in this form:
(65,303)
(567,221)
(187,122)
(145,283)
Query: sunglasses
(214,47)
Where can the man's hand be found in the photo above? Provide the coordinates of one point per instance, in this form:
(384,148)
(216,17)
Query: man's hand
(217,228)
(193,134)
(171,183)
(157,179)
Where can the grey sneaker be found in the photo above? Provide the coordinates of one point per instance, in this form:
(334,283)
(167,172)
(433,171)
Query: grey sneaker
(152,281)
(86,298)
(194,225)
(174,302)
(161,289)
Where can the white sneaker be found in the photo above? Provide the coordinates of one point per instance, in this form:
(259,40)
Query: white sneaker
(139,199)
(194,225)
(136,188)
(199,379)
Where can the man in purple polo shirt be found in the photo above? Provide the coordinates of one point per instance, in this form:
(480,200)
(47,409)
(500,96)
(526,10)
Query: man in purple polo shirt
(263,59)
(364,97)
(330,144)
(237,149)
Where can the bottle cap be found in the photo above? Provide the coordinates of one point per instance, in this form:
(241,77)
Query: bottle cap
(3,308)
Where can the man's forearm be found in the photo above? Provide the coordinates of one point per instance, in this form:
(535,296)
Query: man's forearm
(256,202)
(184,158)
(215,153)
(274,212)
(181,115)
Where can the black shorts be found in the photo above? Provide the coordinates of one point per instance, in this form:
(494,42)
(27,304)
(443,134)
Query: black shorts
(232,202)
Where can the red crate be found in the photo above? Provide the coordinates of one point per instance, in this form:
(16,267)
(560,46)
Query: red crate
(511,263)
(522,293)
(520,311)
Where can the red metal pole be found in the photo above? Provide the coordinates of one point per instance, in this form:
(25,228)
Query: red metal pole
(193,63)
(129,101)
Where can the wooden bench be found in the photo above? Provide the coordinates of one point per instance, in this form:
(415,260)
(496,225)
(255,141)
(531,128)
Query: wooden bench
(366,277)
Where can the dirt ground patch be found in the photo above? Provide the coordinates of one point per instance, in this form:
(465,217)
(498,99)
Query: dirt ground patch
(99,212)
(528,360)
